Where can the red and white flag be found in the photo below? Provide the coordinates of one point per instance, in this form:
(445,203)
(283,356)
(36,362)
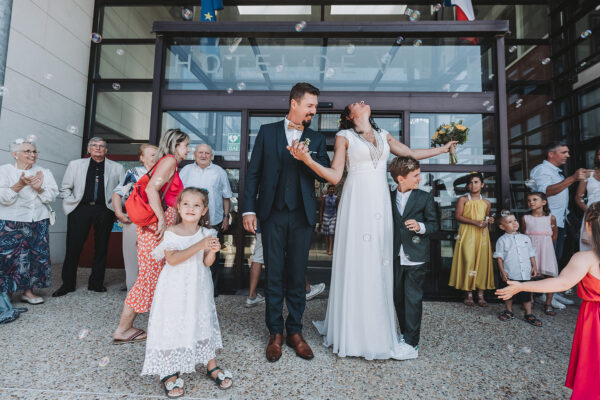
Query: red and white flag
(464,9)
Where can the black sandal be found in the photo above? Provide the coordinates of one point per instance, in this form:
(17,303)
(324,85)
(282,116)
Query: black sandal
(168,386)
(506,315)
(531,319)
(548,310)
(221,377)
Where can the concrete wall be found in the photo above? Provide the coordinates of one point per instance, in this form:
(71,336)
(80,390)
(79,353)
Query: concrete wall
(46,78)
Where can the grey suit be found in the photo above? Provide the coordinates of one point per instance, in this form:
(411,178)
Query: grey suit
(409,279)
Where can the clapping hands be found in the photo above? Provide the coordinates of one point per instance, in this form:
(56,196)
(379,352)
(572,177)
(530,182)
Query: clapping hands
(35,181)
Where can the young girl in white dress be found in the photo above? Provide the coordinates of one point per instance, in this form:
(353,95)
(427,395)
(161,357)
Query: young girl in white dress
(183,329)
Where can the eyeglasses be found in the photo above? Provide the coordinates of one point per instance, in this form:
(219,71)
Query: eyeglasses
(99,146)
(29,152)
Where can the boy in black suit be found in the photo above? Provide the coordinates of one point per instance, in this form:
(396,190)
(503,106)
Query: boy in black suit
(415,218)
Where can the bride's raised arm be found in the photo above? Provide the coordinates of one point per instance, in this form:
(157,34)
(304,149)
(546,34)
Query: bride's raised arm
(398,148)
(333,175)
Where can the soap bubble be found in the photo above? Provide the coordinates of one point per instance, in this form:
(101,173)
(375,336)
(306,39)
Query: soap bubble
(330,72)
(437,7)
(279,68)
(417,42)
(241,86)
(120,52)
(187,14)
(103,362)
(473,273)
(229,90)
(518,105)
(96,37)
(367,237)
(491,76)
(399,40)
(456,237)
(504,213)
(490,108)
(300,26)
(386,262)
(48,76)
(73,129)
(446,87)
(378,216)
(83,333)
(454,95)
(408,11)
(386,58)
(416,239)
(583,64)
(586,34)
(3,90)
(350,49)
(530,183)
(415,15)
(549,102)
(486,103)
(116,86)
(512,49)
(546,61)
(234,45)
(519,100)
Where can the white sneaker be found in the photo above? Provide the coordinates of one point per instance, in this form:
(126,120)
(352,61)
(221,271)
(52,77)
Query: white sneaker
(556,304)
(315,290)
(563,299)
(407,352)
(255,301)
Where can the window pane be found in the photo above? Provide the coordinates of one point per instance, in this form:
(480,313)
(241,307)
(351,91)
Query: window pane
(220,130)
(525,21)
(136,22)
(126,61)
(359,64)
(479,148)
(123,115)
(270,13)
(528,63)
(589,122)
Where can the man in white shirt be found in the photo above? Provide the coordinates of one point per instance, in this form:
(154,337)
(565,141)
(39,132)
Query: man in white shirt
(204,174)
(415,218)
(550,180)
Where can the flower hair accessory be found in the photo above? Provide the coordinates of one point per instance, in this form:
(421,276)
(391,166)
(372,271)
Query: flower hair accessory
(31,138)
(19,141)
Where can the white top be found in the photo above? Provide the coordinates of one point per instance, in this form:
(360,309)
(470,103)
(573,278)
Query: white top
(27,205)
(516,251)
(401,199)
(212,178)
(592,188)
(547,174)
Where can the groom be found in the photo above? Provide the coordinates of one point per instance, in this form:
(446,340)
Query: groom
(286,209)
(415,218)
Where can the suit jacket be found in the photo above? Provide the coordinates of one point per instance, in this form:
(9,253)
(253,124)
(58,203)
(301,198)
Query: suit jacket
(265,166)
(73,183)
(420,207)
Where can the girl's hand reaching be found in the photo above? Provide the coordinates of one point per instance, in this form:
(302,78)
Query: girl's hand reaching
(509,291)
(215,245)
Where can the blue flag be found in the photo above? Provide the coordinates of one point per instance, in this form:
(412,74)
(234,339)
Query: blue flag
(208,8)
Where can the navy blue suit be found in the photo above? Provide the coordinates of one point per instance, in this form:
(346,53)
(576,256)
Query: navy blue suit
(281,191)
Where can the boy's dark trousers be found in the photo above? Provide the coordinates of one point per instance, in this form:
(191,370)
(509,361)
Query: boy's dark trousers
(408,299)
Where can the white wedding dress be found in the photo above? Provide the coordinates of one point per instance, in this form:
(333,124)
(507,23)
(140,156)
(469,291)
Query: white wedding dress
(360,319)
(593,195)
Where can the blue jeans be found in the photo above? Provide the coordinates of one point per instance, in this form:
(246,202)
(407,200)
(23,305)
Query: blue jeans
(7,312)
(559,245)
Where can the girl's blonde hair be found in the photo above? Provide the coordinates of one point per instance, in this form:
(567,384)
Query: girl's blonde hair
(169,141)
(205,219)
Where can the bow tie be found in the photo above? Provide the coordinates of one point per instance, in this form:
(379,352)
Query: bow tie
(298,127)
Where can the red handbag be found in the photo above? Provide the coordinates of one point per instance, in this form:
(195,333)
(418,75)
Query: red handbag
(137,207)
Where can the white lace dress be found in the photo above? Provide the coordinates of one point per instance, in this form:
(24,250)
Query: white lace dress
(183,329)
(360,319)
(592,188)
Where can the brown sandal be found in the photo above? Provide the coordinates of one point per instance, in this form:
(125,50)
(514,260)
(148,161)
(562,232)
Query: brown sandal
(549,310)
(481,302)
(469,301)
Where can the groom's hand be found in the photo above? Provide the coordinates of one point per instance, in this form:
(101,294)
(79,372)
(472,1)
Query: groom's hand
(299,151)
(249,222)
(412,225)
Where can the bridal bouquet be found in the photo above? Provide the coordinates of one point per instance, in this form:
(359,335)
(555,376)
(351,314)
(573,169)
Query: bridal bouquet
(448,133)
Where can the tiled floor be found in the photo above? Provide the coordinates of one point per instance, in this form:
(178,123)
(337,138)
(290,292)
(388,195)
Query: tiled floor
(465,353)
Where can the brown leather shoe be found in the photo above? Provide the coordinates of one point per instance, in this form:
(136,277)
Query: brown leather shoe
(274,347)
(297,342)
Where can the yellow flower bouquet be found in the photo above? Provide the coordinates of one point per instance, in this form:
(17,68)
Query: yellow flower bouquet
(450,132)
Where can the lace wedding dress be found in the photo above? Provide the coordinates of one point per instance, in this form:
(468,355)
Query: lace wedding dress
(360,319)
(183,329)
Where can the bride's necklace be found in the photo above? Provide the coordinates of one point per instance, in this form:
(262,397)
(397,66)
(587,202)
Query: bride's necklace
(374,150)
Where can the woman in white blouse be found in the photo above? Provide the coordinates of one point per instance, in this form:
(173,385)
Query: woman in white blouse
(25,193)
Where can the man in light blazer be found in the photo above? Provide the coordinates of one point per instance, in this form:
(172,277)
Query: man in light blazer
(86,192)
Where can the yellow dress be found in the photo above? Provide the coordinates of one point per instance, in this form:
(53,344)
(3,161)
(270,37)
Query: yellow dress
(472,266)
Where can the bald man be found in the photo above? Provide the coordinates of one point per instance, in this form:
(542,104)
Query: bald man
(204,174)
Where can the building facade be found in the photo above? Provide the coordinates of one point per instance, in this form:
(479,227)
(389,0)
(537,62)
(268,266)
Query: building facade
(522,74)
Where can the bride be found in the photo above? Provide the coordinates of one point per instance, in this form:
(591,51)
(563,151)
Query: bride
(360,319)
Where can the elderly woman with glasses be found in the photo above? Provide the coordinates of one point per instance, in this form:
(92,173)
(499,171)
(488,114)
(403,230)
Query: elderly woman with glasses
(26,190)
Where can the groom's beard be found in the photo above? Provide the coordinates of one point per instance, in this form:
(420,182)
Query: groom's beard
(305,123)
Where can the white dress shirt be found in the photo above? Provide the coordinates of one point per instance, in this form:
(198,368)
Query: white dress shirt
(515,250)
(212,178)
(401,199)
(27,205)
(547,174)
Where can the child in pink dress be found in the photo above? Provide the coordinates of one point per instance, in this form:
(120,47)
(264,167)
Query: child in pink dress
(540,226)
